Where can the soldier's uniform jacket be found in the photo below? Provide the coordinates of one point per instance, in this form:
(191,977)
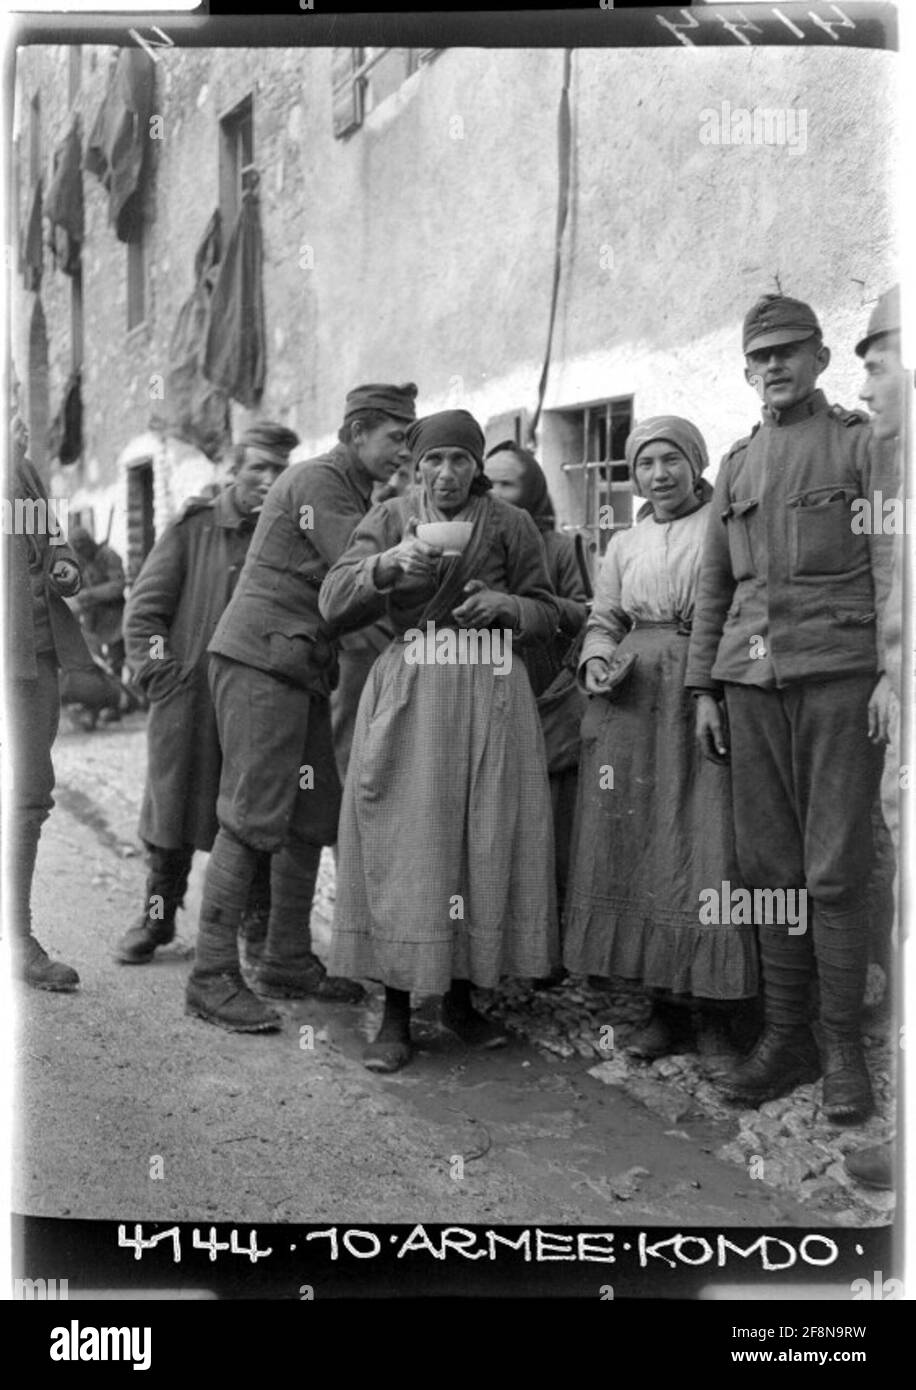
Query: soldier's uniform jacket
(273,622)
(787,590)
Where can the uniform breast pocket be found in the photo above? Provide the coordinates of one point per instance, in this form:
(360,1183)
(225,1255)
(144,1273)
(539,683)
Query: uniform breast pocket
(820,530)
(739,518)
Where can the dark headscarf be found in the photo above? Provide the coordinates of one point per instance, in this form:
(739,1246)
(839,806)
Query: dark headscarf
(450,429)
(535,498)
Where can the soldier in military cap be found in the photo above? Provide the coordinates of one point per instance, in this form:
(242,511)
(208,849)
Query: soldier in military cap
(175,604)
(272,668)
(786,642)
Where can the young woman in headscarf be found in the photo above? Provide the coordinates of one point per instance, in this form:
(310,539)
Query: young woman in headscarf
(445,849)
(653,825)
(518,478)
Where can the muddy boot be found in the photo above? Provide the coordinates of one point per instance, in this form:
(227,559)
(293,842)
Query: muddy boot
(288,968)
(782,1060)
(667,1029)
(785,1055)
(216,991)
(841,946)
(165,890)
(33,965)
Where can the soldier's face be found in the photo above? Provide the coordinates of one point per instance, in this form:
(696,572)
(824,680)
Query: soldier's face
(787,373)
(255,478)
(383,450)
(885,386)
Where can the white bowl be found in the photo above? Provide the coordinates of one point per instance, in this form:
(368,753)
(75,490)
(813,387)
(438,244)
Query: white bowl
(453,536)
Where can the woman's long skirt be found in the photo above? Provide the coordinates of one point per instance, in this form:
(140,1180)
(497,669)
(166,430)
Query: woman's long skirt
(653,829)
(445,846)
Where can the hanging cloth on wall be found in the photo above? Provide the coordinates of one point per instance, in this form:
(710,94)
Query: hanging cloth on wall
(235,350)
(31,251)
(118,146)
(65,434)
(193,408)
(64,204)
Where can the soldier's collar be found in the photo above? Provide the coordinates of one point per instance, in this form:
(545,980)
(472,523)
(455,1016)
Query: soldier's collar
(802,410)
(360,476)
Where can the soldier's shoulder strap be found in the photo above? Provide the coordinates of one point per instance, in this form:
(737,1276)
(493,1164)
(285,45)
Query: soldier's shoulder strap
(192,506)
(848,417)
(741,444)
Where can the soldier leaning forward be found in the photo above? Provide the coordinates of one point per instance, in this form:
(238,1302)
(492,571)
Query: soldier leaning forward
(171,615)
(272,668)
(786,628)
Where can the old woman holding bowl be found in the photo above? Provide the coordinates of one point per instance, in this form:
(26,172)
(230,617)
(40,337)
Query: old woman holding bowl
(445,862)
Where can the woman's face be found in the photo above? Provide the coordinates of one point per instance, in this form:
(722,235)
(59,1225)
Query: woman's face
(505,472)
(448,474)
(664,476)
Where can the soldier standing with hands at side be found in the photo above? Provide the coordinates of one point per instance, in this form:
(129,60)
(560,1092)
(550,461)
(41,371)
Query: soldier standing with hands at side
(786,642)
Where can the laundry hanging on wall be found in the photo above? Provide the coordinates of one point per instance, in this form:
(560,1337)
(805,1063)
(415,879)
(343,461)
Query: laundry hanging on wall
(64,204)
(119,143)
(192,407)
(65,433)
(235,350)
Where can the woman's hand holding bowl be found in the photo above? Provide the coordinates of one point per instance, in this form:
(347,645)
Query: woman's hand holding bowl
(411,564)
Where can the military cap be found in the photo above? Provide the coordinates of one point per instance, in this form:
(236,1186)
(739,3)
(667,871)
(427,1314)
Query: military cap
(777,319)
(270,439)
(400,402)
(885,318)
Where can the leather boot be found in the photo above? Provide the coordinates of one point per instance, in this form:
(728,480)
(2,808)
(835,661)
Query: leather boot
(216,991)
(30,961)
(782,1060)
(33,965)
(165,889)
(785,1055)
(841,945)
(288,968)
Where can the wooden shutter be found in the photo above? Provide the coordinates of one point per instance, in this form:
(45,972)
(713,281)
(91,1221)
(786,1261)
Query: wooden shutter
(346,91)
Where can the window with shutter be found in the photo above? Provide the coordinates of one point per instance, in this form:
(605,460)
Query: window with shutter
(346,90)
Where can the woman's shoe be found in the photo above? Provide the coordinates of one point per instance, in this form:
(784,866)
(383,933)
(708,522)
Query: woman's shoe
(386,1056)
(667,1029)
(717,1052)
